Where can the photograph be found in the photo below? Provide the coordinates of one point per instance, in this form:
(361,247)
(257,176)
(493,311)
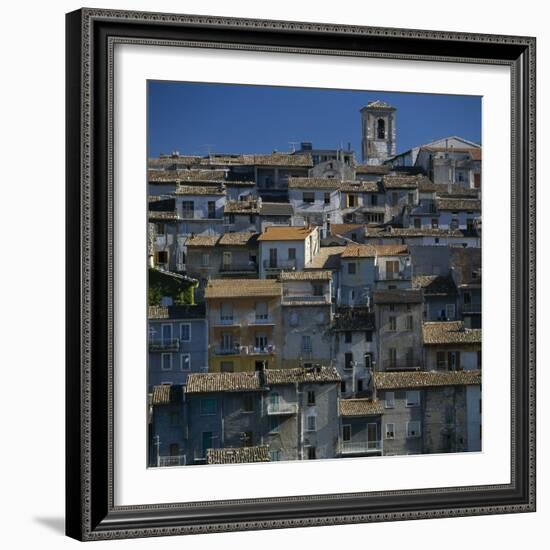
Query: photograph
(314,278)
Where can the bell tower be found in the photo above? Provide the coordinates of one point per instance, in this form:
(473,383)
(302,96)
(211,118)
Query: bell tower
(378,130)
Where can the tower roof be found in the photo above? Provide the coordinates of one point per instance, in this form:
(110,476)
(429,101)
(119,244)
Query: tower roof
(378,104)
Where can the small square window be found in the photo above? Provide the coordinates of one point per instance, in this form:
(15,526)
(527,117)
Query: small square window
(352,268)
(390,430)
(413,398)
(208,407)
(311,423)
(389,402)
(413,429)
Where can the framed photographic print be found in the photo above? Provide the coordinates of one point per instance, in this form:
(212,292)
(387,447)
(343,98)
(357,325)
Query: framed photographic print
(283,307)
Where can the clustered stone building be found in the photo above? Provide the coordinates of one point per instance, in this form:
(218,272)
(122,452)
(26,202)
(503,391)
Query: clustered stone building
(305,305)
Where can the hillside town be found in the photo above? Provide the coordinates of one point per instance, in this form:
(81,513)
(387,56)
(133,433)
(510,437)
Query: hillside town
(311,304)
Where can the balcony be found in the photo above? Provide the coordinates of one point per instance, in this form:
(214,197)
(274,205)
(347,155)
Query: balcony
(282,408)
(260,320)
(280,265)
(178,460)
(472,307)
(166,345)
(402,364)
(244,350)
(403,275)
(360,447)
(320,300)
(221,350)
(236,268)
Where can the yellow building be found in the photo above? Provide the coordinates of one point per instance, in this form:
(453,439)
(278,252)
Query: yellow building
(244,324)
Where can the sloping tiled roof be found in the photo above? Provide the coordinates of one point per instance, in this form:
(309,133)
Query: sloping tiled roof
(165,394)
(397,296)
(238,455)
(378,104)
(313,183)
(280,159)
(162,176)
(301,375)
(422,379)
(158,215)
(240,238)
(372,250)
(434,284)
(285,233)
(368,169)
(199,190)
(474,152)
(417,232)
(343,228)
(354,318)
(240,288)
(324,275)
(276,209)
(402,182)
(213,382)
(242,207)
(450,332)
(360,407)
(328,257)
(458,204)
(202,240)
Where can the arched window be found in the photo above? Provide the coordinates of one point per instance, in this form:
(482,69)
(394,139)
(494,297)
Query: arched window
(381,129)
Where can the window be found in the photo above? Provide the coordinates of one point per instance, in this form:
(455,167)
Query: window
(454,223)
(311,423)
(185,361)
(392,268)
(260,341)
(392,354)
(469,224)
(347,336)
(185,332)
(435,223)
(410,198)
(227,341)
(479,359)
(392,307)
(166,333)
(368,335)
(343,386)
(409,307)
(351,268)
(467,298)
(308,197)
(162,256)
(450,311)
(453,360)
(226,312)
(211,209)
(352,200)
(227,257)
(368,360)
(226,366)
(413,398)
(346,432)
(409,358)
(188,209)
(208,407)
(417,223)
(410,322)
(389,402)
(381,129)
(311,454)
(272,257)
(205,259)
(274,425)
(441,360)
(348,360)
(327,198)
(392,323)
(261,311)
(413,428)
(230,219)
(360,385)
(291,253)
(394,198)
(166,361)
(311,398)
(317,289)
(390,430)
(374,200)
(306,343)
(161,228)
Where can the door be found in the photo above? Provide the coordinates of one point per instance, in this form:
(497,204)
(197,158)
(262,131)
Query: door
(206,441)
(372,436)
(272,257)
(226,260)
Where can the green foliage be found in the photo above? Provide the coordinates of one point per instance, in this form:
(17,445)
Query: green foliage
(163,284)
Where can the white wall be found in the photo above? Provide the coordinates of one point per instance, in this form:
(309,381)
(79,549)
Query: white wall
(32,111)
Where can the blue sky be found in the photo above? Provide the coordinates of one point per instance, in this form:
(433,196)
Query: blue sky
(194,117)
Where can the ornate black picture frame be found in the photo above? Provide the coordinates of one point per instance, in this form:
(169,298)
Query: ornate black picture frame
(91,513)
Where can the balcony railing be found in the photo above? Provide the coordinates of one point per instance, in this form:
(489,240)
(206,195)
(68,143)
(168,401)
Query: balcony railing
(236,267)
(402,364)
(244,350)
(325,299)
(282,408)
(402,275)
(222,350)
(178,460)
(280,264)
(356,447)
(260,320)
(171,344)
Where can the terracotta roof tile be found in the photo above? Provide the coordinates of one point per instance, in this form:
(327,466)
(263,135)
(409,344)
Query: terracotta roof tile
(328,257)
(239,288)
(286,233)
(368,169)
(373,250)
(242,207)
(434,284)
(450,332)
(310,375)
(165,394)
(199,190)
(458,204)
(397,296)
(403,182)
(422,379)
(223,381)
(323,275)
(276,209)
(238,238)
(360,407)
(166,176)
(202,240)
